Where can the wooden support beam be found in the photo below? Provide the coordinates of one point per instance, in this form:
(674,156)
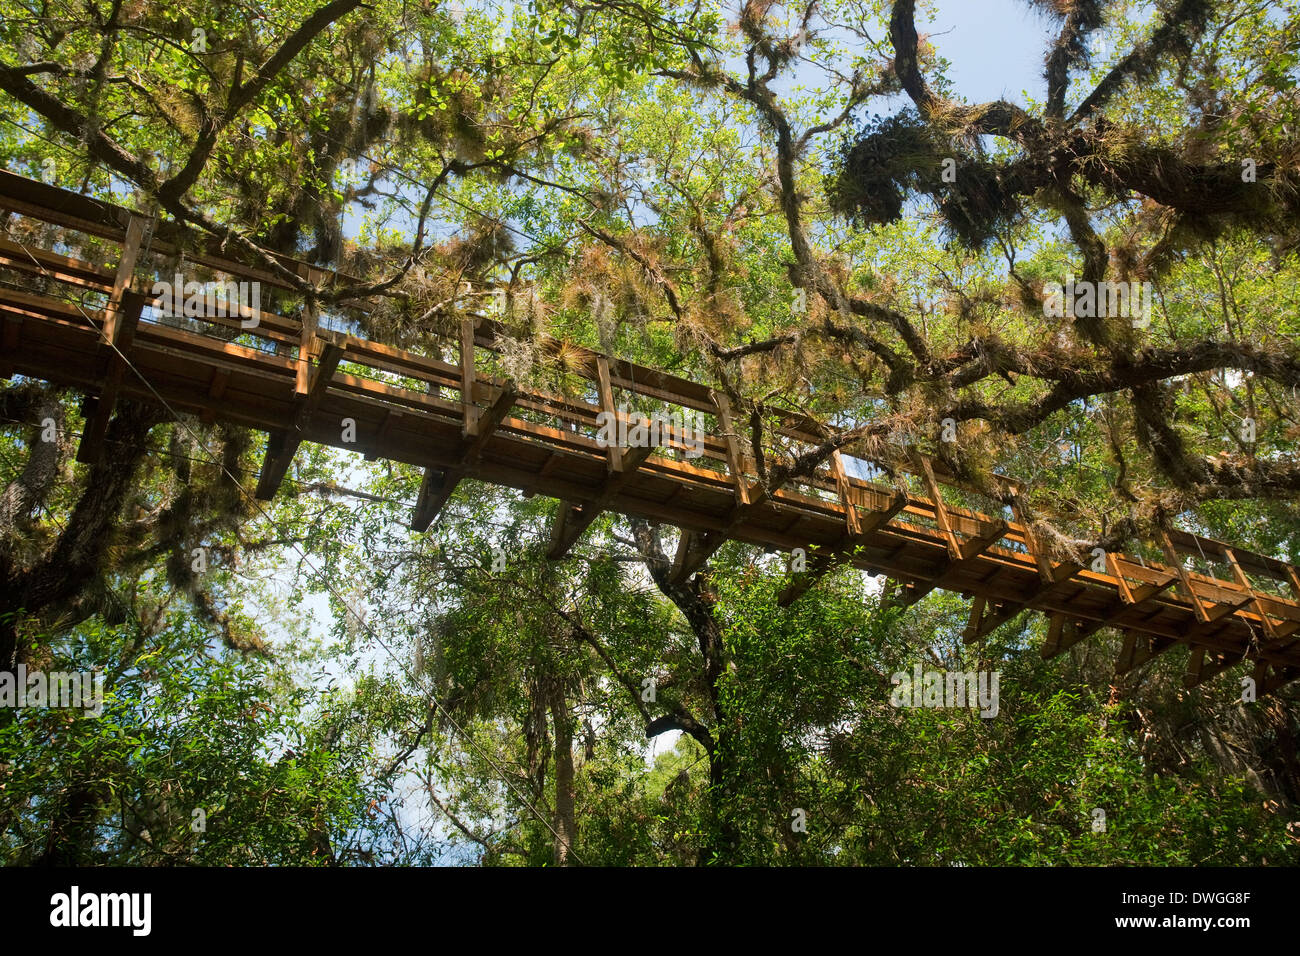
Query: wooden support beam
(1071,633)
(735,452)
(1294,580)
(219,383)
(701,547)
(469,428)
(1112,565)
(1267,683)
(969,552)
(489,421)
(940,511)
(1185,580)
(438,484)
(436,489)
(1127,652)
(309,343)
(561,538)
(127,318)
(824,560)
(1056,633)
(613,451)
(1032,544)
(802,582)
(1140,648)
(1270,629)
(985,624)
(392,418)
(991,535)
(976,620)
(852,522)
(216,391)
(552,460)
(121,316)
(1134,604)
(1222,610)
(875,520)
(1203,666)
(282,446)
(306,345)
(572,520)
(687,543)
(124,278)
(9,333)
(279,453)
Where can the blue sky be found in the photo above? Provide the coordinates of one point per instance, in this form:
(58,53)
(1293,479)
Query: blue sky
(996,48)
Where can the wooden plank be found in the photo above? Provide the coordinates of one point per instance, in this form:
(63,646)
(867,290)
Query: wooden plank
(1125,592)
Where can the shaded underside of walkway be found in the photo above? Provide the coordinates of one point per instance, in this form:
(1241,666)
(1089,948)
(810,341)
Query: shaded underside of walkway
(91,325)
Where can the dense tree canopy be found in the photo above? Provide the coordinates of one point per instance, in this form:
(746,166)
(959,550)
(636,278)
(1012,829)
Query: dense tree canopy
(790,203)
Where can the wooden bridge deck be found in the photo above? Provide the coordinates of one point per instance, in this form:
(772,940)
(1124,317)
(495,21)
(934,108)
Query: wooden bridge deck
(78,323)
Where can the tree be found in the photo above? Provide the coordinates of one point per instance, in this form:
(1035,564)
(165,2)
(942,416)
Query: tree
(648,181)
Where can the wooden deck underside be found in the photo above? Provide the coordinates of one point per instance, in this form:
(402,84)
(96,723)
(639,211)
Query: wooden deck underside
(91,327)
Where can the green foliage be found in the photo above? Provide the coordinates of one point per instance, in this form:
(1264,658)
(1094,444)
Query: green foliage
(198,759)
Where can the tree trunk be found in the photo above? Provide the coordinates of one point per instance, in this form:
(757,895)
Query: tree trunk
(565,795)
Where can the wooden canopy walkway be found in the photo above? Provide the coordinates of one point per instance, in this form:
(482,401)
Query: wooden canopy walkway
(69,318)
